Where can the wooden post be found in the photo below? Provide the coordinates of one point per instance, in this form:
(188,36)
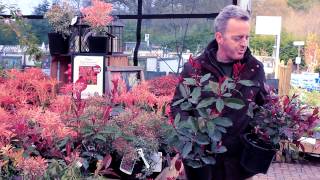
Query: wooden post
(284,73)
(55,69)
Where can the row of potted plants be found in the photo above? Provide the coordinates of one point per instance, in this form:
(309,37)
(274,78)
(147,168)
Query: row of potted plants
(59,135)
(61,16)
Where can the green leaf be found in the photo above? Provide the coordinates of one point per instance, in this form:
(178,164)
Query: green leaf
(190,81)
(221,149)
(192,124)
(193,163)
(213,131)
(205,78)
(224,86)
(246,82)
(250,110)
(188,125)
(215,136)
(231,86)
(178,102)
(202,125)
(211,127)
(173,140)
(234,103)
(206,102)
(207,88)
(223,121)
(185,106)
(214,86)
(85,163)
(186,149)
(183,91)
(196,93)
(219,104)
(100,137)
(208,160)
(202,139)
(177,119)
(203,113)
(221,129)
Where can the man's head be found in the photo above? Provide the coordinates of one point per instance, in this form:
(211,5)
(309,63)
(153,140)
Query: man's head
(232,29)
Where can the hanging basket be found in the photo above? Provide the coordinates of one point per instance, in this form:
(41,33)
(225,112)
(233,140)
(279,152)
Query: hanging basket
(98,44)
(58,44)
(256,156)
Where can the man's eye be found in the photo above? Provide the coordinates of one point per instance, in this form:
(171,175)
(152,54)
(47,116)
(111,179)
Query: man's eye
(237,38)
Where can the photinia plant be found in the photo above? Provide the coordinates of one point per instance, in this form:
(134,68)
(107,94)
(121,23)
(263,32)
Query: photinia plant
(97,15)
(198,138)
(284,119)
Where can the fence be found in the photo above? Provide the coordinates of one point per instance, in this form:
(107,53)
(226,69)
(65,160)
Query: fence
(284,73)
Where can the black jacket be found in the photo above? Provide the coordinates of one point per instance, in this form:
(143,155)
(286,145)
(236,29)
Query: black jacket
(228,164)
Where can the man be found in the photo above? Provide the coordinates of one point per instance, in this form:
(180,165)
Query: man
(232,29)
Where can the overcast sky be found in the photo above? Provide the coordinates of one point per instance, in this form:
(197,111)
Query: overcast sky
(26,6)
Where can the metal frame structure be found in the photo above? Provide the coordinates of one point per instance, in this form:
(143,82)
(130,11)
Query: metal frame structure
(139,17)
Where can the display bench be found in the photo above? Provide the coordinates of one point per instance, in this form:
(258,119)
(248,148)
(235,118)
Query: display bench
(311,145)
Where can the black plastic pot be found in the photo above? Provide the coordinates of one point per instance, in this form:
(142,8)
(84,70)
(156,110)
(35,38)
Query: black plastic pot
(58,44)
(203,173)
(98,44)
(256,156)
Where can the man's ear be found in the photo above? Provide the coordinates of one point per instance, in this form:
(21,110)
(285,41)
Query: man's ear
(219,37)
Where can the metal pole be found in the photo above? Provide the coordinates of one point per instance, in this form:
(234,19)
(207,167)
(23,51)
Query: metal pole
(298,67)
(138,34)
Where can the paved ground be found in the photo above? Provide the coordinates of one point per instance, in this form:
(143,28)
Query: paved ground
(285,171)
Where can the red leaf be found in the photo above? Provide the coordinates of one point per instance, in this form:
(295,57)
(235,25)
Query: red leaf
(315,111)
(299,144)
(109,172)
(68,149)
(178,165)
(286,100)
(107,161)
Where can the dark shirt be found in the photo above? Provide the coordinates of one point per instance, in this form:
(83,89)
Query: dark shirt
(227,68)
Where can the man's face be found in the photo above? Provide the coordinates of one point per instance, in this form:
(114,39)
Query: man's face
(233,42)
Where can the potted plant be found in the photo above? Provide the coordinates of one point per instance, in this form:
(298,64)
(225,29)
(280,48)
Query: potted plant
(198,139)
(282,120)
(59,17)
(97,17)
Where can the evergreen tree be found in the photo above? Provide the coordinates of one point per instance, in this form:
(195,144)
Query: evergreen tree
(40,27)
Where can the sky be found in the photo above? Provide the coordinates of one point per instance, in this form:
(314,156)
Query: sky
(26,6)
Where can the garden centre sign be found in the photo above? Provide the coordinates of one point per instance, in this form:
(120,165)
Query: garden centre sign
(309,81)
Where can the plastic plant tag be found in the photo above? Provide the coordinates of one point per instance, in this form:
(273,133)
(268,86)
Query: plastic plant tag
(156,162)
(127,164)
(141,154)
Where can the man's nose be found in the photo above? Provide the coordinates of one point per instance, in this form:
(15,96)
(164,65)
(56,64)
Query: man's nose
(244,42)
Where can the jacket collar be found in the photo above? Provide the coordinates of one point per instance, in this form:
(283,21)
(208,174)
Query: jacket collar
(208,61)
(212,49)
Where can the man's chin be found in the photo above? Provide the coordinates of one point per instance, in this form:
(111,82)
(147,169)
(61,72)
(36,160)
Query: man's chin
(237,58)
